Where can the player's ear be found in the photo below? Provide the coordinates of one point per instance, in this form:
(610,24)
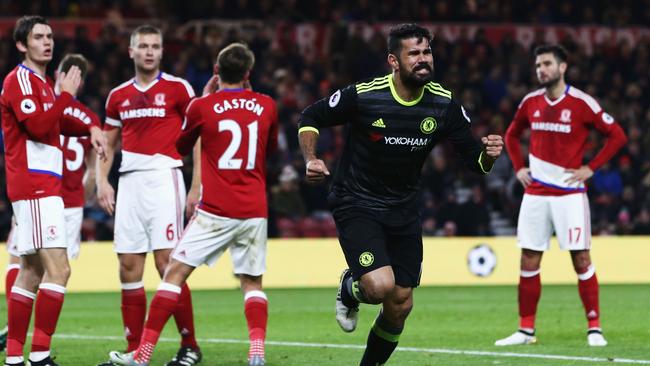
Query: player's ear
(563,67)
(130,52)
(215,69)
(393,61)
(21,47)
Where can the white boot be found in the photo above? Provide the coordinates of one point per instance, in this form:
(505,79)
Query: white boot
(517,338)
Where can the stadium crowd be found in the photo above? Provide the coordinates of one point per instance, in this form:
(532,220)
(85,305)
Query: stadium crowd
(619,13)
(489,79)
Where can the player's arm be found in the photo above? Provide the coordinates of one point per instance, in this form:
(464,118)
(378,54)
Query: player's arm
(75,126)
(479,157)
(39,123)
(335,110)
(191,129)
(616,139)
(194,194)
(105,192)
(513,144)
(89,178)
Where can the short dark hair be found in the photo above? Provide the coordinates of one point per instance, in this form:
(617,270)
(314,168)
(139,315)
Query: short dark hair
(558,51)
(234,61)
(74,59)
(144,29)
(405,31)
(24,26)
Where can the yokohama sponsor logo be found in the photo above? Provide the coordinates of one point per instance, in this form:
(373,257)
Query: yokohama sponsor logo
(550,126)
(409,141)
(142,112)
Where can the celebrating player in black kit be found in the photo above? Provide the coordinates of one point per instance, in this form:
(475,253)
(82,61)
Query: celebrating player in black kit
(393,122)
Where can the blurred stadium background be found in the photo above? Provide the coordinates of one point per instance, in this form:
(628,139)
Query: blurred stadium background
(307,49)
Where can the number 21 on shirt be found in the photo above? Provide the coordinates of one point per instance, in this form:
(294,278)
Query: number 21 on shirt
(227,161)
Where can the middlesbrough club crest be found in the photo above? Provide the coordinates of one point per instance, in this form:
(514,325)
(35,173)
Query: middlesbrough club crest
(565,116)
(52,232)
(159,99)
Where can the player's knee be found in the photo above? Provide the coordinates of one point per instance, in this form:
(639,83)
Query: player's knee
(60,274)
(161,265)
(581,261)
(530,260)
(29,278)
(377,289)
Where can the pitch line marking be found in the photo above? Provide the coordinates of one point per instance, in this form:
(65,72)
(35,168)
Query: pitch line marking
(402,349)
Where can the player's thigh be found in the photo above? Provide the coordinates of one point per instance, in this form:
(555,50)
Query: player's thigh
(534,226)
(362,240)
(572,221)
(39,224)
(404,244)
(248,251)
(130,231)
(12,244)
(164,205)
(205,239)
(73,218)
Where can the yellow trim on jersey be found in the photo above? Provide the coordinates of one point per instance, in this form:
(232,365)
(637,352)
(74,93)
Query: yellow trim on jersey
(435,88)
(481,164)
(400,100)
(376,84)
(373,81)
(308,128)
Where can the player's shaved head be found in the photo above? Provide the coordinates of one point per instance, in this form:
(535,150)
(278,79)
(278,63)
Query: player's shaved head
(234,62)
(143,30)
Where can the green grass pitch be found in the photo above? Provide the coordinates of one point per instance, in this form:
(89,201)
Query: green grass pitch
(444,320)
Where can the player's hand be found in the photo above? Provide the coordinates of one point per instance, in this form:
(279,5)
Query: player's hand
(211,86)
(492,145)
(523,175)
(70,81)
(193,198)
(579,175)
(316,171)
(99,142)
(106,197)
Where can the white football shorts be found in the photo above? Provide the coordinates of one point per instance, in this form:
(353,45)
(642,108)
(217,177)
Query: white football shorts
(73,218)
(40,223)
(567,216)
(12,246)
(207,237)
(149,210)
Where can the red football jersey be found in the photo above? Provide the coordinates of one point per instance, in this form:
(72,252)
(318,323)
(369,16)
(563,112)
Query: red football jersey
(33,165)
(74,154)
(558,135)
(237,128)
(150,118)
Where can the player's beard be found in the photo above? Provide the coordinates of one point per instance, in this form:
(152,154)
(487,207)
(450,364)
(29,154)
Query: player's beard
(413,80)
(551,81)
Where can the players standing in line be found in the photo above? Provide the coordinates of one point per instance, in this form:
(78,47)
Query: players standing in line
(559,117)
(393,122)
(238,128)
(32,121)
(147,112)
(78,178)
